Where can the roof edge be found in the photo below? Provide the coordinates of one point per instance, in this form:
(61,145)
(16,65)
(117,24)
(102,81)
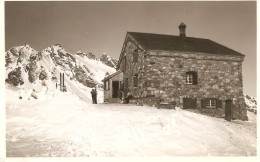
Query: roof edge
(111,75)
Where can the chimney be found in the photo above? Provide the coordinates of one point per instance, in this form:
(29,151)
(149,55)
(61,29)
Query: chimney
(182,28)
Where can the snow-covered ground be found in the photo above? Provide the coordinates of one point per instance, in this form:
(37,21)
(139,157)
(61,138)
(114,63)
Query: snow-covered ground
(61,124)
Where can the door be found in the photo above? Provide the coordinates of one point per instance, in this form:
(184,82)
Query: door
(115,89)
(228,110)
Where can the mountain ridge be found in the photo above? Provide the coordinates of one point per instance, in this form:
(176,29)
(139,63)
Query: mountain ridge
(27,68)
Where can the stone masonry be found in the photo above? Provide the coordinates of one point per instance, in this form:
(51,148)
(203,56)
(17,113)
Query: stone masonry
(162,74)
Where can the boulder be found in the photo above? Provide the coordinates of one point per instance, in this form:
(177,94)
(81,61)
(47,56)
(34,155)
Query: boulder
(14,77)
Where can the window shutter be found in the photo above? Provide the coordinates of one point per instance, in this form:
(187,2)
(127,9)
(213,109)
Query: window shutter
(105,82)
(185,103)
(135,56)
(189,103)
(194,103)
(195,78)
(135,80)
(219,103)
(203,103)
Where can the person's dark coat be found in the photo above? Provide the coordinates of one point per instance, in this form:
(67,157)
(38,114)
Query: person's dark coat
(93,96)
(128,97)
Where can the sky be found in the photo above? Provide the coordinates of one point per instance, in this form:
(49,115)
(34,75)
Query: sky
(100,27)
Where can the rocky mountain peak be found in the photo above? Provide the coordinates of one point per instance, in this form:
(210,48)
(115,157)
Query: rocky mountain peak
(88,55)
(26,66)
(108,60)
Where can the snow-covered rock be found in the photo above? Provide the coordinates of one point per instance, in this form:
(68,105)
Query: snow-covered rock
(109,61)
(251,103)
(88,55)
(14,77)
(26,67)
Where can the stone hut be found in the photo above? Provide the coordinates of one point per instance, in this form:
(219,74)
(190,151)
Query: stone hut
(192,73)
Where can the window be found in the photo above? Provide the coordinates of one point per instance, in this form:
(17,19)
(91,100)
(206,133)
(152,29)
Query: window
(135,55)
(191,77)
(211,103)
(135,80)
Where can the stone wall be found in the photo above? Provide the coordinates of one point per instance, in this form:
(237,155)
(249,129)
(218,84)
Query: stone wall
(219,76)
(162,78)
(130,68)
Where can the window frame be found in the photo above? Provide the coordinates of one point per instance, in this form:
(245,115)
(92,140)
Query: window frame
(211,103)
(207,104)
(191,78)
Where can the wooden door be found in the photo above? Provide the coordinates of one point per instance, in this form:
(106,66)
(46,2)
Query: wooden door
(228,110)
(115,89)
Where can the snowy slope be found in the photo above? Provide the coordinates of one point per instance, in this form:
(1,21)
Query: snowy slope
(33,72)
(64,125)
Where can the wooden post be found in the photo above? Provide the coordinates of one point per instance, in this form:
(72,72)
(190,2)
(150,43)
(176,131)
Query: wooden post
(60,82)
(63,83)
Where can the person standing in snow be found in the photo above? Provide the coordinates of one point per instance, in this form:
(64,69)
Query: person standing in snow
(128,97)
(93,95)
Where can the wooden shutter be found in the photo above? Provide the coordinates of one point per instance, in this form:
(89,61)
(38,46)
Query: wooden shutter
(194,103)
(195,77)
(185,103)
(203,103)
(219,103)
(135,56)
(135,80)
(105,85)
(189,103)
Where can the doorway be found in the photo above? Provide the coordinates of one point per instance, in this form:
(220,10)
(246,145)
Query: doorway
(228,110)
(115,89)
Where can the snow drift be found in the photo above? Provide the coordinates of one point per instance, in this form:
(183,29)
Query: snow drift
(65,126)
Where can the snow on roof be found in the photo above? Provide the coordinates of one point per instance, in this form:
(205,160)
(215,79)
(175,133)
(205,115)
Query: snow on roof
(111,76)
